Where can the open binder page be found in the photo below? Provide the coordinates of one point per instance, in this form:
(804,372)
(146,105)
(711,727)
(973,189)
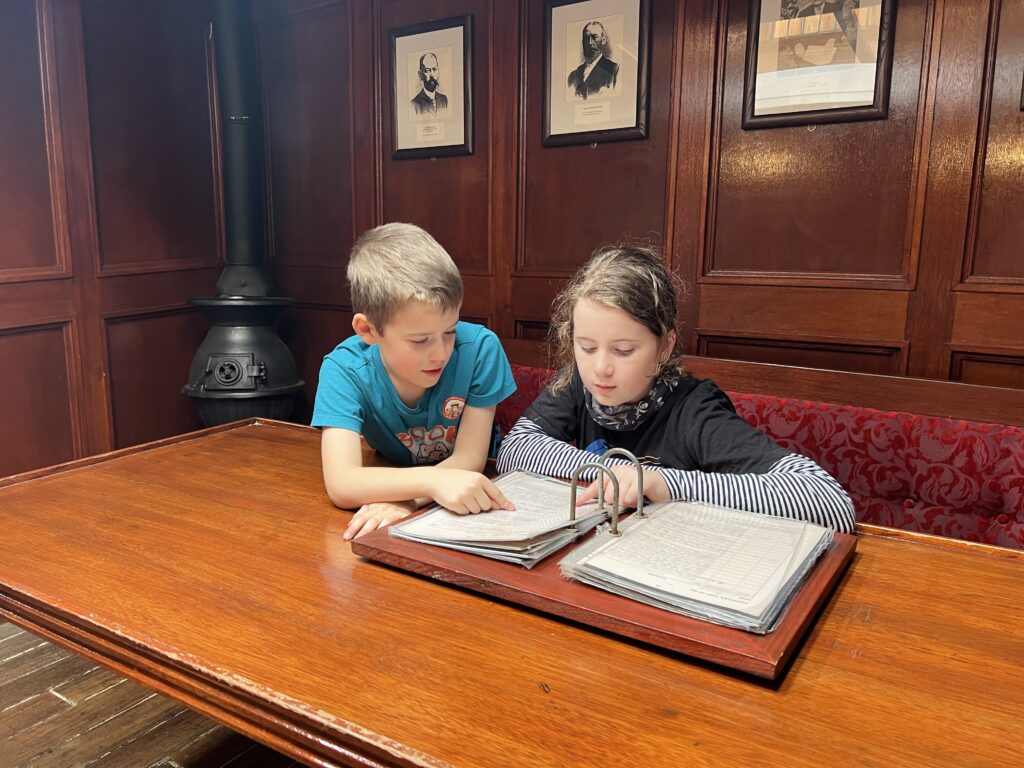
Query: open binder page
(732,567)
(542,506)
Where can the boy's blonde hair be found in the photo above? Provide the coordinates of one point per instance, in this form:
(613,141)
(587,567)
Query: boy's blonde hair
(630,277)
(396,263)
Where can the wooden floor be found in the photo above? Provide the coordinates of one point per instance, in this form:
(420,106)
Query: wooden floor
(59,710)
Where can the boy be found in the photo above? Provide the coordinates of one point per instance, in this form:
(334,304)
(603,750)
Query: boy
(417,384)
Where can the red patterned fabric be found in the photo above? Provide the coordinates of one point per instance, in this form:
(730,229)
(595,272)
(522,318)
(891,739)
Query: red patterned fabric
(530,382)
(950,477)
(956,478)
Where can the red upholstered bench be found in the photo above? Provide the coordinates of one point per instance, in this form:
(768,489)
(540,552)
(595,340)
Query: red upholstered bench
(950,477)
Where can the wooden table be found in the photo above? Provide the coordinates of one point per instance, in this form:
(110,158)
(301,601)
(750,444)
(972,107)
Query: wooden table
(211,568)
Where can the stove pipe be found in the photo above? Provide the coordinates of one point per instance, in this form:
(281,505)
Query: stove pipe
(242,368)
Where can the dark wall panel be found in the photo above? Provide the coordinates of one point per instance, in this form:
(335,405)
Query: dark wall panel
(35,409)
(149,363)
(306,75)
(1000,223)
(149,113)
(828,199)
(310,333)
(447,196)
(575,198)
(837,357)
(991,370)
(26,211)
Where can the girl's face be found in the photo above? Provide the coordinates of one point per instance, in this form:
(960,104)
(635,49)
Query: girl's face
(616,356)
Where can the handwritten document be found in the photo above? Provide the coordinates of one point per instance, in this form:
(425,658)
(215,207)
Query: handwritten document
(728,566)
(542,506)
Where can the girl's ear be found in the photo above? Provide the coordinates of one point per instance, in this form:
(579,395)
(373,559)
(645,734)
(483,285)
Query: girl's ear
(668,344)
(364,329)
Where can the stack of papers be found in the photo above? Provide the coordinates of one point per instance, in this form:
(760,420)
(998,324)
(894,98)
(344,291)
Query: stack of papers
(539,525)
(738,569)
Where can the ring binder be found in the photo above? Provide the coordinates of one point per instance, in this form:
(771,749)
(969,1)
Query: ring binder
(613,513)
(639,476)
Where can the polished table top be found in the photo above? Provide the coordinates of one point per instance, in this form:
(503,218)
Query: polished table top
(212,568)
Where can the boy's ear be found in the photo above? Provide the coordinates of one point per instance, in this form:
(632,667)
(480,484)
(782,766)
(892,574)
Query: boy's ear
(364,329)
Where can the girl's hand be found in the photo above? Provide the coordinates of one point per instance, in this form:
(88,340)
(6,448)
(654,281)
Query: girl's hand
(370,517)
(655,488)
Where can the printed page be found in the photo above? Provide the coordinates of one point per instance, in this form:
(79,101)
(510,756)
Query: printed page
(542,505)
(736,560)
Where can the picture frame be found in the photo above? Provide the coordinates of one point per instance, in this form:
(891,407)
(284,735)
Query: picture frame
(596,71)
(817,61)
(432,88)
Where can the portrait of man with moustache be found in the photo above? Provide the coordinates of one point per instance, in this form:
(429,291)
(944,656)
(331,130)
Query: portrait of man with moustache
(429,101)
(598,72)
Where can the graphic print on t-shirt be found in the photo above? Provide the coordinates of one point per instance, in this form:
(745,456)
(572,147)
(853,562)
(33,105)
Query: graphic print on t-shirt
(452,409)
(429,446)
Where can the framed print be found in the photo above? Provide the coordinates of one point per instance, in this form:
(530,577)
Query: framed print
(431,88)
(817,61)
(595,70)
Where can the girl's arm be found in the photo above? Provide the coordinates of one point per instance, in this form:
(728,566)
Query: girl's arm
(793,487)
(528,447)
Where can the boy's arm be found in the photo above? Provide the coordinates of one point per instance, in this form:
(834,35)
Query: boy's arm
(350,485)
(473,440)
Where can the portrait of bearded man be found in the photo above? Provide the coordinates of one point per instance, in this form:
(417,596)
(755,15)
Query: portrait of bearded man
(429,101)
(598,72)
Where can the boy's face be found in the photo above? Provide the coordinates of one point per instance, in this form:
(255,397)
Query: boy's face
(415,346)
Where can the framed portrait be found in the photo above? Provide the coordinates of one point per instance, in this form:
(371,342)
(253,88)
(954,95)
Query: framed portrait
(817,61)
(432,87)
(596,61)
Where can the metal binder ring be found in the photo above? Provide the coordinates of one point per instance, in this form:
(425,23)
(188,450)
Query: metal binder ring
(639,475)
(614,514)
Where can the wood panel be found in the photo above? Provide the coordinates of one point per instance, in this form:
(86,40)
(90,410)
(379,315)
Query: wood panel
(957,43)
(990,370)
(310,333)
(32,214)
(149,362)
(810,312)
(1000,192)
(154,165)
(36,408)
(35,303)
(988,320)
(839,357)
(305,59)
(840,196)
(575,198)
(447,196)
(318,99)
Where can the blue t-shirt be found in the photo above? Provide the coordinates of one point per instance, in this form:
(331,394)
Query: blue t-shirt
(356,393)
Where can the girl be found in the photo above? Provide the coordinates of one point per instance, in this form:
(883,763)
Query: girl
(620,384)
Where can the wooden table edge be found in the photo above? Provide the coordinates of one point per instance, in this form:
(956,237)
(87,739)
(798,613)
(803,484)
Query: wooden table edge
(99,458)
(930,539)
(286,725)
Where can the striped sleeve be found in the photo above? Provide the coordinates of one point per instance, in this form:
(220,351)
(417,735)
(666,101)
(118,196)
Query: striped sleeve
(528,447)
(794,486)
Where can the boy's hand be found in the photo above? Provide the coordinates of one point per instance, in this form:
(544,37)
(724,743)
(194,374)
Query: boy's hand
(465,492)
(654,487)
(370,517)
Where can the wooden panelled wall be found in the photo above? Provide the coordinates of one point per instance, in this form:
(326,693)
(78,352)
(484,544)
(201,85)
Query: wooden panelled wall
(879,246)
(884,246)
